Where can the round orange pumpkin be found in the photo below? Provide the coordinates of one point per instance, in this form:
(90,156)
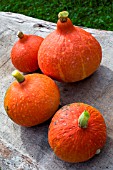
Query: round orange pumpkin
(77,132)
(32,99)
(69,53)
(24,52)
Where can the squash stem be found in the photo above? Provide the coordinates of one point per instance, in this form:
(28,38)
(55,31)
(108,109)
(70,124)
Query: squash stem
(20,34)
(63,16)
(83,119)
(19,77)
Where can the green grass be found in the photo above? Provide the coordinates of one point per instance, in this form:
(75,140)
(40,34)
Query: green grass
(87,13)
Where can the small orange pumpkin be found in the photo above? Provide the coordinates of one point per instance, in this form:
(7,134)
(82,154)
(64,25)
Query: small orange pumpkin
(32,99)
(24,52)
(77,132)
(69,53)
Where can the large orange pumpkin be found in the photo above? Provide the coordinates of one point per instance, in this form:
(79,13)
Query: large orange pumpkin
(24,52)
(32,99)
(69,53)
(77,132)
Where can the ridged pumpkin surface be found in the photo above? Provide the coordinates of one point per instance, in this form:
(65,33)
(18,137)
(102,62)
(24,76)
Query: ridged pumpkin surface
(69,53)
(33,101)
(72,143)
(24,53)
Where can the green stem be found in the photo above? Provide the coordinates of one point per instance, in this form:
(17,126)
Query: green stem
(83,119)
(20,34)
(19,77)
(63,16)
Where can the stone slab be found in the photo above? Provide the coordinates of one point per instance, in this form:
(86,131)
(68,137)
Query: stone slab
(27,148)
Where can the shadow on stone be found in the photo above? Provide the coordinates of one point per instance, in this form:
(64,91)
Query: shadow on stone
(35,140)
(87,90)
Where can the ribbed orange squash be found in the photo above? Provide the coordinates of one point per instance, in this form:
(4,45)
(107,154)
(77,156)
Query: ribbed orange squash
(77,132)
(24,52)
(69,53)
(32,99)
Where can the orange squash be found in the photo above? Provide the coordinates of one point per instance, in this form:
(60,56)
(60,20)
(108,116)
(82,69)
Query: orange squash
(32,99)
(77,132)
(24,52)
(69,53)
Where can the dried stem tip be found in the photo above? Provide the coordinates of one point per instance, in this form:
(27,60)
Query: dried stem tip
(20,34)
(63,16)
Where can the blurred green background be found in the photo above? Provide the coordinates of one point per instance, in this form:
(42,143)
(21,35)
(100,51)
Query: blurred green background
(87,13)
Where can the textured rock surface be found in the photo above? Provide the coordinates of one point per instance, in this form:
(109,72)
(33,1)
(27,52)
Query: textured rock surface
(27,148)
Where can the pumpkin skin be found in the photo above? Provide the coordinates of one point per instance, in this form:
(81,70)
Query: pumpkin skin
(24,53)
(72,143)
(33,101)
(69,53)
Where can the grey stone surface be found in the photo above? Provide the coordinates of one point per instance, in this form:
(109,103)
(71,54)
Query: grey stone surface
(27,148)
